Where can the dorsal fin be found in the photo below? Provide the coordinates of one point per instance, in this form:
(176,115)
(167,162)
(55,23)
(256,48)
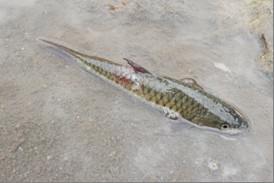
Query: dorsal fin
(136,67)
(188,81)
(191,82)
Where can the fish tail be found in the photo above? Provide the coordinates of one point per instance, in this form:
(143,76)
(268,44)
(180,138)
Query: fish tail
(77,54)
(99,66)
(73,52)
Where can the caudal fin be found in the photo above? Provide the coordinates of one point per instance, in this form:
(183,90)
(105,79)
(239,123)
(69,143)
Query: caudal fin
(76,53)
(73,52)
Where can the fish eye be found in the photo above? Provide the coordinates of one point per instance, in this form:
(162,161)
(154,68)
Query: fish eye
(225,126)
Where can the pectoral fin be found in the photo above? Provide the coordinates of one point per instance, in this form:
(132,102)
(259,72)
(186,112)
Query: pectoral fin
(172,128)
(176,127)
(170,114)
(136,67)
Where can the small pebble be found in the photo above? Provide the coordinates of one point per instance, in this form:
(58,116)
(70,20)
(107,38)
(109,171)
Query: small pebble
(213,165)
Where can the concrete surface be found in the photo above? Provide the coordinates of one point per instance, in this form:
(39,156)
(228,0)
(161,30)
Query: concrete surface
(58,123)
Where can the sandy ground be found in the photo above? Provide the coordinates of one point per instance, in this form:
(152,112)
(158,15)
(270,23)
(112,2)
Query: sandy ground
(59,123)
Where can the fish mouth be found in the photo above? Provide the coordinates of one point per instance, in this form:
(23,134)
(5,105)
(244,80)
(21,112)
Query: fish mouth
(243,127)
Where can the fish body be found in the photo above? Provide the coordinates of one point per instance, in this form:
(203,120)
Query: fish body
(184,100)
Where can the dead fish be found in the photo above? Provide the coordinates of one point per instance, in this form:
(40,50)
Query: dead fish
(180,100)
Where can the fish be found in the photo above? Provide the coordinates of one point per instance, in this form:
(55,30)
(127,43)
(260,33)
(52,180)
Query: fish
(180,100)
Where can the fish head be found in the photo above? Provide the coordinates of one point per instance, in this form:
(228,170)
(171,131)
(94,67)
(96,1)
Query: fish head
(231,122)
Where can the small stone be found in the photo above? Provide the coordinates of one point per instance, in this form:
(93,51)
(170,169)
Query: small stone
(213,165)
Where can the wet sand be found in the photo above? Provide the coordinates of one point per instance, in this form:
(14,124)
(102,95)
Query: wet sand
(59,123)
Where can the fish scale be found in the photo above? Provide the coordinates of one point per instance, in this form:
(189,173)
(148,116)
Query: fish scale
(178,100)
(169,99)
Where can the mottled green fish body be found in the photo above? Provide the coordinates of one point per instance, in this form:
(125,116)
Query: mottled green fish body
(177,99)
